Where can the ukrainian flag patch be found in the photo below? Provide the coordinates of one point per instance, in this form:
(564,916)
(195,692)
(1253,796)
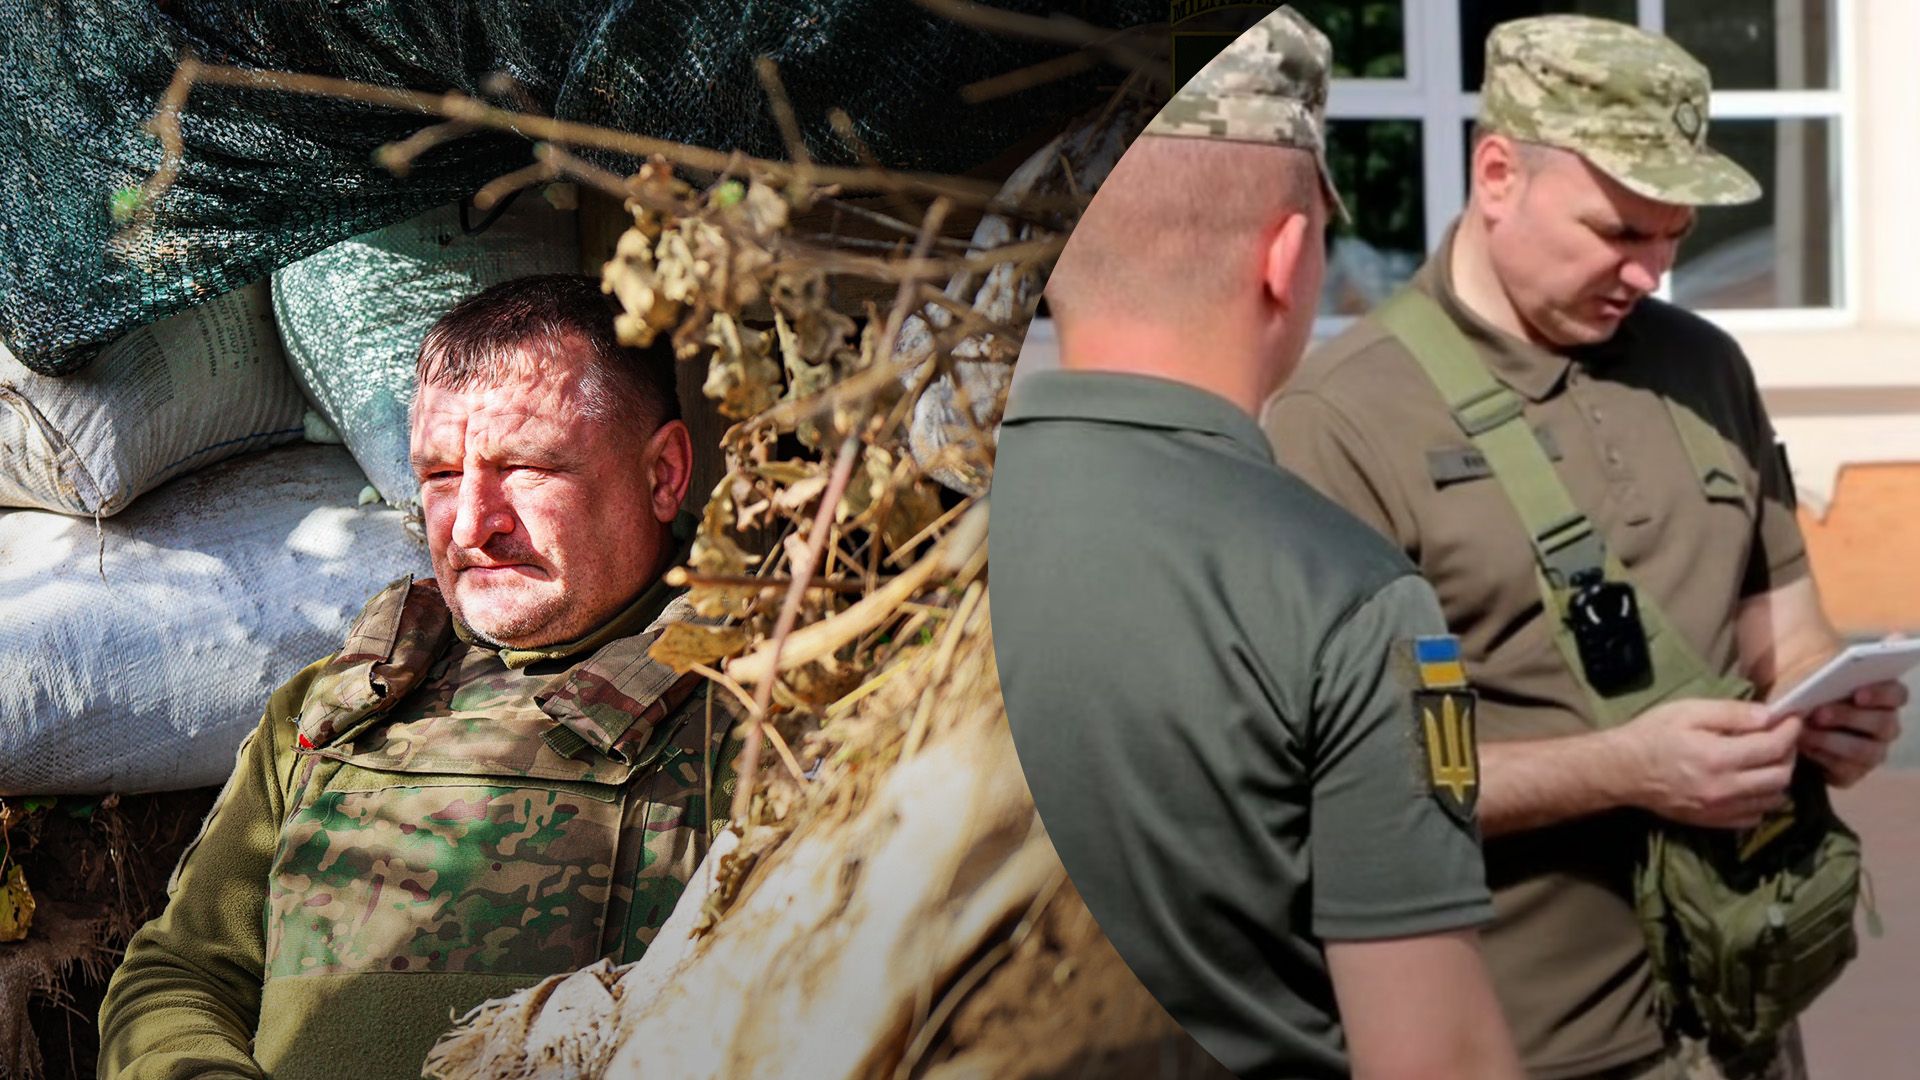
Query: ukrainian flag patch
(1437,659)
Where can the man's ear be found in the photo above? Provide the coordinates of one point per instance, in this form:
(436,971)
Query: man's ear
(669,466)
(1282,258)
(1498,175)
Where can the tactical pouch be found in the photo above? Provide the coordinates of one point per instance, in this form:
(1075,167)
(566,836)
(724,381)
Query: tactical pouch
(1747,928)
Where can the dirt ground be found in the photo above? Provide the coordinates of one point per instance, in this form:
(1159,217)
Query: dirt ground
(98,869)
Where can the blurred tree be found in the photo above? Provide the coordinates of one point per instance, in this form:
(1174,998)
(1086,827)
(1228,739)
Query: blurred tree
(1376,165)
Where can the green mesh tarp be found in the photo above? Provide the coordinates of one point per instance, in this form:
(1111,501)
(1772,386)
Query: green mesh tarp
(269,177)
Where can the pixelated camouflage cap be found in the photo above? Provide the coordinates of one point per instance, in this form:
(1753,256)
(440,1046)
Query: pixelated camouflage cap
(1634,104)
(1269,85)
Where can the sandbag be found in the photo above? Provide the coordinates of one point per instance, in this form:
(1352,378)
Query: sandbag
(140,668)
(353,315)
(164,400)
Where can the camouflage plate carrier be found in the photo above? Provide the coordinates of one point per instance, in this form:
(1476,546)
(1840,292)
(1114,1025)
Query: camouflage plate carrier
(452,814)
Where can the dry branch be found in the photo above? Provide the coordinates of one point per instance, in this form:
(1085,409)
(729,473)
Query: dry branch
(476,114)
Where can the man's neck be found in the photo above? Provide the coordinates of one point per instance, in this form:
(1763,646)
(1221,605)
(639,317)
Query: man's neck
(1204,360)
(1477,286)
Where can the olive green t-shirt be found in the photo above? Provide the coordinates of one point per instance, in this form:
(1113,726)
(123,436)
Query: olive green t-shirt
(1362,422)
(1207,669)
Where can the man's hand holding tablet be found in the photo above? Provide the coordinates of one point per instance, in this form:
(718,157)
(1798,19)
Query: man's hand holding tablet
(1851,706)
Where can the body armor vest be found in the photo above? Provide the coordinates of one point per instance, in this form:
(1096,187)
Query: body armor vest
(449,813)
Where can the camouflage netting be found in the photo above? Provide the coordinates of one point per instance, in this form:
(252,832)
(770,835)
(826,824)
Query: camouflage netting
(268,177)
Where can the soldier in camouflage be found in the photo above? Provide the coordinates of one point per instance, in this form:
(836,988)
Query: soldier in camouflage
(1536,315)
(491,782)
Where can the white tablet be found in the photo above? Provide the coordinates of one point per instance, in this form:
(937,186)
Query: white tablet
(1858,666)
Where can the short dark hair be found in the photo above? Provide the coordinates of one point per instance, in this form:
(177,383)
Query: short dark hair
(516,326)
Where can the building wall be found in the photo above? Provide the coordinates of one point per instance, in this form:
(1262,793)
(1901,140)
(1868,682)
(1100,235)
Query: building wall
(1846,397)
(1866,551)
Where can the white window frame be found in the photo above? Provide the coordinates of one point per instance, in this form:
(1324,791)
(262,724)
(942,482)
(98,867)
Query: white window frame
(1429,95)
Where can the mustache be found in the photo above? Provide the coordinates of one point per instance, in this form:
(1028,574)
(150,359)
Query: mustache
(500,551)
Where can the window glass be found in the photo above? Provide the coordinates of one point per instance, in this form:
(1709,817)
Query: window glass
(1779,251)
(1479,17)
(1376,165)
(1758,44)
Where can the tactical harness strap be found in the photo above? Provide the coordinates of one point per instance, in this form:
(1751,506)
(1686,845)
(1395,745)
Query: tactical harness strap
(573,736)
(387,652)
(1566,544)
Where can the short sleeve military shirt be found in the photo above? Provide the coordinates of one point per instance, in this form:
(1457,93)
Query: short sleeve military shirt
(1208,672)
(1362,422)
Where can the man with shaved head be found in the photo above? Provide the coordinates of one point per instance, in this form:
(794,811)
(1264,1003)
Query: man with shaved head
(1243,722)
(1165,260)
(1587,476)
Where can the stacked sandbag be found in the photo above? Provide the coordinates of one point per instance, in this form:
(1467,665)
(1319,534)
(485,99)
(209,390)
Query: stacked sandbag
(353,315)
(137,659)
(162,401)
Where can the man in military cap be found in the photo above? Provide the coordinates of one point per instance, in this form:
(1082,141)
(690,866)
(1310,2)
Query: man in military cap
(1588,478)
(1243,722)
(491,782)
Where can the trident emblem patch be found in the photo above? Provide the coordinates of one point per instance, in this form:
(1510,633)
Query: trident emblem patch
(1453,757)
(1445,706)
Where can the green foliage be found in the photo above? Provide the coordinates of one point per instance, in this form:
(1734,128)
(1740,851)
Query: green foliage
(1377,166)
(1369,39)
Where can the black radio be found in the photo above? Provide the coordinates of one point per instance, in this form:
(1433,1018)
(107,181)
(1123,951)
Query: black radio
(1605,619)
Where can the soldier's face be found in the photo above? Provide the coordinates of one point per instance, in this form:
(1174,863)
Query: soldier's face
(1575,251)
(541,523)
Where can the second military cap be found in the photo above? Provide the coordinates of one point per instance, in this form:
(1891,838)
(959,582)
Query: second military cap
(1634,104)
(1269,85)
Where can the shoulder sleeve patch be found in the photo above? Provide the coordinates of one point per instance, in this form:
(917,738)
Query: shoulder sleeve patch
(1452,749)
(1444,723)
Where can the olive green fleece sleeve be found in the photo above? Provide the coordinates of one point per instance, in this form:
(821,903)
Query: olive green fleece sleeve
(186,999)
